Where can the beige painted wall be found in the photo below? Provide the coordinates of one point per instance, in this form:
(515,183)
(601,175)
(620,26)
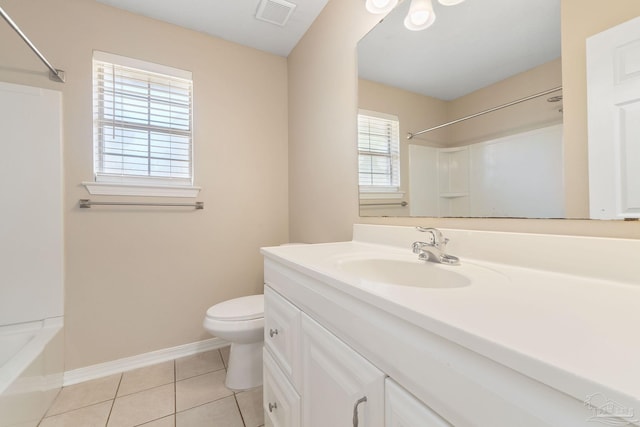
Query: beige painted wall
(141,279)
(323,182)
(322,85)
(521,117)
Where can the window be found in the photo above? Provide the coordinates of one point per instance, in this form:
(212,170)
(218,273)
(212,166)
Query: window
(378,152)
(142,124)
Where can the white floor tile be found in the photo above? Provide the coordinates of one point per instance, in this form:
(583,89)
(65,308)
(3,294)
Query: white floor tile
(142,407)
(89,416)
(221,413)
(250,403)
(199,390)
(198,364)
(146,378)
(84,394)
(169,421)
(187,392)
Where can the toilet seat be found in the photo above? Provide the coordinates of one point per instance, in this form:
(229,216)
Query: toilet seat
(238,309)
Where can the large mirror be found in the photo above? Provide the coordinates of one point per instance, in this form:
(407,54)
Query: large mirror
(478,56)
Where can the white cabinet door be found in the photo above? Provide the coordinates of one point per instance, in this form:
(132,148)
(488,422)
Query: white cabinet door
(402,409)
(281,333)
(281,402)
(613,83)
(340,388)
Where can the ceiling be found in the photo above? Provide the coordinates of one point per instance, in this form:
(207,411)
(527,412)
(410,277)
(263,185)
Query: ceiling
(232,20)
(471,45)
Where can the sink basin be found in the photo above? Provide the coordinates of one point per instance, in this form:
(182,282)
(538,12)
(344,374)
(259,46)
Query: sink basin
(405,272)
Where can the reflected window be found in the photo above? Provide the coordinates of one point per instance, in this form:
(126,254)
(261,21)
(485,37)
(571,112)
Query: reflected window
(378,152)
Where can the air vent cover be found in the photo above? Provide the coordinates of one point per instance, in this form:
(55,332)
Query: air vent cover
(275,11)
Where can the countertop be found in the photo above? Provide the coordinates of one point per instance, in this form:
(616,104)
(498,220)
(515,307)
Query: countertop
(577,334)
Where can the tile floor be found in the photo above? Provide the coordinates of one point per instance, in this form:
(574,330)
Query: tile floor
(186,392)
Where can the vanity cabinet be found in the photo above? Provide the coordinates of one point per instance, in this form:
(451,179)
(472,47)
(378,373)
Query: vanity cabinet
(339,387)
(281,400)
(402,409)
(281,373)
(313,379)
(475,356)
(282,334)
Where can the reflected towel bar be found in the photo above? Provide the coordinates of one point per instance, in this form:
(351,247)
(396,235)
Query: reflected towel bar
(385,204)
(490,110)
(86,203)
(54,74)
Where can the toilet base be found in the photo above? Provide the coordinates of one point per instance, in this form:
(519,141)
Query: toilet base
(245,366)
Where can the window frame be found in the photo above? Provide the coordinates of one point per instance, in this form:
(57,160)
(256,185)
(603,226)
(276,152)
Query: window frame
(132,184)
(382,191)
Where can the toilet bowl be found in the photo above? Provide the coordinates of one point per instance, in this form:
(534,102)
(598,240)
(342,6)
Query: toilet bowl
(241,322)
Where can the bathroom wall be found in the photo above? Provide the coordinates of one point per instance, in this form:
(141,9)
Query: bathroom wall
(517,118)
(140,279)
(322,152)
(323,104)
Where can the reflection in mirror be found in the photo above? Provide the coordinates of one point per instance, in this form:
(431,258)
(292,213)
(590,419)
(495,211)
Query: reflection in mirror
(476,56)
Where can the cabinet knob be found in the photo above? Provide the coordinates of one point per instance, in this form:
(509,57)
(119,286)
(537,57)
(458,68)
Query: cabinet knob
(272,406)
(355,410)
(273,332)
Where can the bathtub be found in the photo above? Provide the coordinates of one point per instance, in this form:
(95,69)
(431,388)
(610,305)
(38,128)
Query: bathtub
(31,369)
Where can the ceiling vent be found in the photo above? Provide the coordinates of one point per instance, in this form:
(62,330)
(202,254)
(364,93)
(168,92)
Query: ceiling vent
(275,11)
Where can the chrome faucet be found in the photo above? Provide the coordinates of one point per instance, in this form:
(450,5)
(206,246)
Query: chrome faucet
(434,250)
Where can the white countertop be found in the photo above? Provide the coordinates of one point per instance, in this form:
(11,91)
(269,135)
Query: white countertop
(577,334)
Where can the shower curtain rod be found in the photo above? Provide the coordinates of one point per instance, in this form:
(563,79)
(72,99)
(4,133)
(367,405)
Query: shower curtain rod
(54,74)
(490,110)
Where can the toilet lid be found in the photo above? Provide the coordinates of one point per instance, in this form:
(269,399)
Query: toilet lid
(243,308)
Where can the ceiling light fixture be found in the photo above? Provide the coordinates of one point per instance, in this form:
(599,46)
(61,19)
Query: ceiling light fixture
(420,15)
(380,6)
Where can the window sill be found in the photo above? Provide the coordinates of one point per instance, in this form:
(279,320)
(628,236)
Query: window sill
(381,195)
(120,189)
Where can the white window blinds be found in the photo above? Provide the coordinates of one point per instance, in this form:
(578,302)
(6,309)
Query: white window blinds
(378,152)
(142,115)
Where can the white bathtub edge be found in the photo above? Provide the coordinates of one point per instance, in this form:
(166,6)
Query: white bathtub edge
(100,370)
(13,368)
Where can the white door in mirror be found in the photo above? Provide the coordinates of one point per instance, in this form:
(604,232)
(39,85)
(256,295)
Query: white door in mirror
(613,83)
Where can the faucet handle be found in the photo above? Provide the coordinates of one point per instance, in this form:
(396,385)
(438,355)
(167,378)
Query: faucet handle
(436,236)
(444,242)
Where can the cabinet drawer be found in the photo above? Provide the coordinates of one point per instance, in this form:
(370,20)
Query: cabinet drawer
(402,409)
(281,402)
(281,332)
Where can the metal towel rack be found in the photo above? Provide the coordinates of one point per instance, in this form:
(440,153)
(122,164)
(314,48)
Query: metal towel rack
(490,110)
(54,74)
(86,203)
(385,204)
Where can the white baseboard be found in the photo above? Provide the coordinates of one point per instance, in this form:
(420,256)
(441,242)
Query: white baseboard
(141,360)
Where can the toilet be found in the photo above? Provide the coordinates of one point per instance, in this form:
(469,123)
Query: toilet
(241,322)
